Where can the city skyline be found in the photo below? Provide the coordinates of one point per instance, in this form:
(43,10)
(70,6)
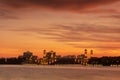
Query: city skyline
(64,26)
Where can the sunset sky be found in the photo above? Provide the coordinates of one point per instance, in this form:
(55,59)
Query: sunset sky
(64,26)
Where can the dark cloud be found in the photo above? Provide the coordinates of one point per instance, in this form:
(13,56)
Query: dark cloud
(55,4)
(79,6)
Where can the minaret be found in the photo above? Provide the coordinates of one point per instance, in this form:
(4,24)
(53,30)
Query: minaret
(85,57)
(85,52)
(91,53)
(44,53)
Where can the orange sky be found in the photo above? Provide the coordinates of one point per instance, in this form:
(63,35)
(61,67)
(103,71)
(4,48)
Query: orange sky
(65,26)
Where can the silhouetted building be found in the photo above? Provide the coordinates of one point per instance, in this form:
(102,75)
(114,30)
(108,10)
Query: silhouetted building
(49,57)
(34,59)
(81,59)
(27,56)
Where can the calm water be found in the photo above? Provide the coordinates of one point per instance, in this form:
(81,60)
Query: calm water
(58,72)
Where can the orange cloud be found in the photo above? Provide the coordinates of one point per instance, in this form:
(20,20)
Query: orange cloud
(78,33)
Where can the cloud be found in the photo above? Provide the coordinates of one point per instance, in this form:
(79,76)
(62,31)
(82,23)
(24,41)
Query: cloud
(99,45)
(1,27)
(99,35)
(99,11)
(6,14)
(74,5)
(116,16)
(77,33)
(84,32)
(90,28)
(67,33)
(78,6)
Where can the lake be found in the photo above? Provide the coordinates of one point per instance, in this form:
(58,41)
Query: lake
(58,72)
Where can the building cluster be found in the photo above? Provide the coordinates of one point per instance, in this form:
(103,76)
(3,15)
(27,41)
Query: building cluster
(51,58)
(29,58)
(48,57)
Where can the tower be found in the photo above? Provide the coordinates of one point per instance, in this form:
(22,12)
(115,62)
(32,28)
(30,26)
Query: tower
(91,53)
(44,53)
(85,52)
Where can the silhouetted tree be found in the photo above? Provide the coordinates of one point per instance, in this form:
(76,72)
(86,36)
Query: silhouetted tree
(2,60)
